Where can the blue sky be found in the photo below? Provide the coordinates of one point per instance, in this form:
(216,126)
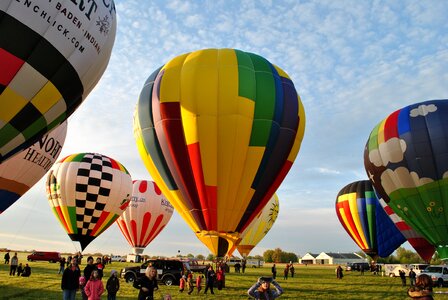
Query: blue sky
(352,63)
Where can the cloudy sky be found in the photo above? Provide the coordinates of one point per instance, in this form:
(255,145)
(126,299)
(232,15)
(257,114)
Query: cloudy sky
(352,63)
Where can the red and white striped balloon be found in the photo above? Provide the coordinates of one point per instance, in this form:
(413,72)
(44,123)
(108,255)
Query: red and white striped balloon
(148,213)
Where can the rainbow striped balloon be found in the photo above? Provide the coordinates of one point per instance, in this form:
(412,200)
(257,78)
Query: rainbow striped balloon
(218,130)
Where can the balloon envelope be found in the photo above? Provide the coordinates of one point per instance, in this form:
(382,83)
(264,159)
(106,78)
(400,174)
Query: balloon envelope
(218,130)
(26,168)
(146,216)
(259,227)
(52,54)
(406,158)
(419,243)
(87,193)
(361,215)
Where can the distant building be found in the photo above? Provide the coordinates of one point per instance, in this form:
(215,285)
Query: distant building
(308,259)
(329,258)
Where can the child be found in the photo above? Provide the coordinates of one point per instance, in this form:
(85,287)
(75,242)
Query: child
(82,286)
(182,283)
(112,285)
(199,282)
(94,287)
(190,284)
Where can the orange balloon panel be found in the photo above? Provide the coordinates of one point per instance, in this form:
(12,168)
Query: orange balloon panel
(148,213)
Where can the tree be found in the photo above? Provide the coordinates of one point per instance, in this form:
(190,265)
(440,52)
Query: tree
(200,257)
(210,257)
(267,256)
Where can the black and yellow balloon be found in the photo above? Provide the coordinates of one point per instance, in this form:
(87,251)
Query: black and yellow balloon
(52,54)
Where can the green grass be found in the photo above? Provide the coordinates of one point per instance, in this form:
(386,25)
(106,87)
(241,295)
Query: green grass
(310,282)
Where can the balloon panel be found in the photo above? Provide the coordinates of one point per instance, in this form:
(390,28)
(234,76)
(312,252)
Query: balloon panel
(87,193)
(219,124)
(419,243)
(52,54)
(259,226)
(147,214)
(407,158)
(26,168)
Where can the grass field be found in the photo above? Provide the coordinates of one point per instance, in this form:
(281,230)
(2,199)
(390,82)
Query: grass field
(310,282)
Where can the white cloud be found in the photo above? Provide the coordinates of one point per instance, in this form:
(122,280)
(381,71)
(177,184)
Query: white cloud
(392,180)
(423,110)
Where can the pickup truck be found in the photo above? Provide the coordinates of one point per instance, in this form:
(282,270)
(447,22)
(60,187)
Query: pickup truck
(438,274)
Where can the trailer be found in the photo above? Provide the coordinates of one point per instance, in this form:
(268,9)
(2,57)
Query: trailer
(254,263)
(392,270)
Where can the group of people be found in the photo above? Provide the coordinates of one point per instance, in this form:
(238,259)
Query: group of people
(289,268)
(90,283)
(15,266)
(189,282)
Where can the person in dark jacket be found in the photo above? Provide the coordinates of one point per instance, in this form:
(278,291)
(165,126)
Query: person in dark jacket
(70,281)
(26,271)
(89,268)
(147,284)
(112,285)
(210,279)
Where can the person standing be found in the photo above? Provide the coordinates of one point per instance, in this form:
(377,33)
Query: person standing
(220,278)
(182,282)
(243,266)
(261,289)
(100,267)
(70,281)
(13,265)
(94,287)
(61,265)
(7,257)
(210,280)
(403,277)
(412,277)
(199,282)
(339,273)
(274,271)
(286,272)
(292,270)
(190,283)
(89,268)
(112,285)
(147,284)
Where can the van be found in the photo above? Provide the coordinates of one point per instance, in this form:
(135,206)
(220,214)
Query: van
(233,261)
(44,256)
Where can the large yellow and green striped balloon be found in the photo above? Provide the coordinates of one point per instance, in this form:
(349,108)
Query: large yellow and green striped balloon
(218,130)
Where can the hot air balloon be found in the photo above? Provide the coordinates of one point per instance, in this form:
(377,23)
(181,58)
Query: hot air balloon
(361,215)
(52,54)
(26,168)
(259,227)
(146,216)
(87,193)
(218,130)
(419,243)
(406,158)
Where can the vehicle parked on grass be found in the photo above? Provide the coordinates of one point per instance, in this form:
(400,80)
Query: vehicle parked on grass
(254,263)
(195,266)
(358,266)
(169,271)
(44,256)
(233,261)
(392,270)
(438,274)
(418,268)
(117,258)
